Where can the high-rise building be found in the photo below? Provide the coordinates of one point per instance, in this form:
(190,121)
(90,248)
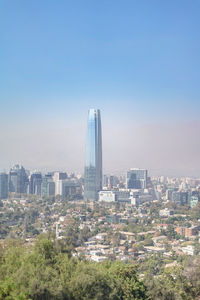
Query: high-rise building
(35,183)
(105,180)
(93,159)
(176,197)
(68,188)
(48,186)
(169,193)
(136,179)
(18,180)
(112,181)
(184,198)
(3,186)
(57,177)
(194,200)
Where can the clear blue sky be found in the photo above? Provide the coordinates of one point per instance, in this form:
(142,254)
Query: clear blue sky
(138,61)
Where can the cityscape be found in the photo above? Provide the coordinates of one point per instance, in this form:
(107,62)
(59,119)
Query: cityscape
(99,150)
(123,217)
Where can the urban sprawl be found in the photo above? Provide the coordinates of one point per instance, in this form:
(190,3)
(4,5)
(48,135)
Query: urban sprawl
(135,215)
(130,218)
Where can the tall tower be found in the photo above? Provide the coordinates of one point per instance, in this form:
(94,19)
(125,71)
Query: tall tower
(93,159)
(3,186)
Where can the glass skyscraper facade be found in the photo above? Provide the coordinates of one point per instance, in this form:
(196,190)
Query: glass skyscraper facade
(93,159)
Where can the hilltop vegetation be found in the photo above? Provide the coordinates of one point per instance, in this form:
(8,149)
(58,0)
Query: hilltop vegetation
(48,271)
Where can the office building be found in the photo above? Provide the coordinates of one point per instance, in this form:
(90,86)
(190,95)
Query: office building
(193,201)
(123,196)
(180,198)
(93,159)
(105,180)
(35,183)
(112,181)
(69,188)
(169,193)
(184,198)
(48,186)
(176,197)
(3,186)
(18,180)
(136,179)
(57,177)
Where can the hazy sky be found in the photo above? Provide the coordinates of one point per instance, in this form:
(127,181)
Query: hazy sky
(138,61)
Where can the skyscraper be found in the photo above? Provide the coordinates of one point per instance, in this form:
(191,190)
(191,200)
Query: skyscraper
(18,180)
(48,186)
(93,159)
(35,183)
(136,179)
(3,186)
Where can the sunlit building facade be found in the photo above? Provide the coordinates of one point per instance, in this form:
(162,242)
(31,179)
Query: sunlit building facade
(93,159)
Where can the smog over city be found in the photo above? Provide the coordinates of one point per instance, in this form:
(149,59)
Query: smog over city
(138,63)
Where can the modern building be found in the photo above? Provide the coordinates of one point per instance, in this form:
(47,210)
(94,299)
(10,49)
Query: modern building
(68,187)
(105,180)
(176,197)
(60,176)
(18,180)
(193,201)
(123,196)
(112,181)
(184,198)
(48,186)
(57,177)
(3,186)
(35,183)
(180,198)
(136,179)
(134,197)
(107,196)
(93,159)
(169,193)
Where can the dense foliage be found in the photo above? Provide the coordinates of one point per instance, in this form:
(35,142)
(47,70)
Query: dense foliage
(47,270)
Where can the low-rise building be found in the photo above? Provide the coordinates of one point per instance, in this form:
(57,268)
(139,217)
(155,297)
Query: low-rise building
(107,196)
(188,250)
(187,232)
(166,212)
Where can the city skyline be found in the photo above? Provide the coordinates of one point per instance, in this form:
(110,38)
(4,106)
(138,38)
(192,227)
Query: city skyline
(99,149)
(138,62)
